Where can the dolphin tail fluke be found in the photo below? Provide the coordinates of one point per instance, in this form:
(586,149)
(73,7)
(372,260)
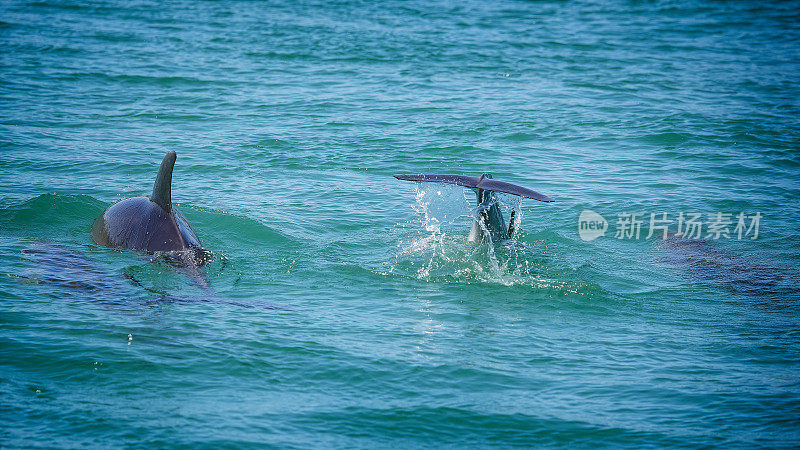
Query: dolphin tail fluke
(460,180)
(162,190)
(484,182)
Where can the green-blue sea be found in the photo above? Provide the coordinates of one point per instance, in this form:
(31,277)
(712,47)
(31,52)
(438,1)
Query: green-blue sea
(345,307)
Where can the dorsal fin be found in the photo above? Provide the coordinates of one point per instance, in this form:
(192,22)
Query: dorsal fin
(162,190)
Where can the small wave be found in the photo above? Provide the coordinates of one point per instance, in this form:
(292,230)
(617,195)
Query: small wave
(523,137)
(137,79)
(60,5)
(52,216)
(668,139)
(228,230)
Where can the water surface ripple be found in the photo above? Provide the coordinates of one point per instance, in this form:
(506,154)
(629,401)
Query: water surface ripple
(348,309)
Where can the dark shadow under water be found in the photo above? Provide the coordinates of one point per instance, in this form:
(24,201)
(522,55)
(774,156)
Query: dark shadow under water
(743,275)
(74,274)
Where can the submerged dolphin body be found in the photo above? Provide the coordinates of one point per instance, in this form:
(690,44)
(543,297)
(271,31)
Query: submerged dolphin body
(148,224)
(715,265)
(489,224)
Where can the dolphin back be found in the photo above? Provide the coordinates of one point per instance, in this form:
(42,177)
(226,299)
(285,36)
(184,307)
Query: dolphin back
(140,224)
(149,224)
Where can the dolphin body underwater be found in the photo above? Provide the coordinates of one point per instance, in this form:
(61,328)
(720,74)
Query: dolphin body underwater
(489,224)
(151,224)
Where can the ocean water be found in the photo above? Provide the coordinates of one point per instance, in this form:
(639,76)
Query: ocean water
(346,307)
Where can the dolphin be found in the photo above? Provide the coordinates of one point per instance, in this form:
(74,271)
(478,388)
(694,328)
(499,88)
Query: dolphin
(150,224)
(489,224)
(717,266)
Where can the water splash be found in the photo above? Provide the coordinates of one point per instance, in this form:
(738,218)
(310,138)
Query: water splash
(443,254)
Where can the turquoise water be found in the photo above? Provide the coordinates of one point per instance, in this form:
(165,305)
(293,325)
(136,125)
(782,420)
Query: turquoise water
(347,308)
